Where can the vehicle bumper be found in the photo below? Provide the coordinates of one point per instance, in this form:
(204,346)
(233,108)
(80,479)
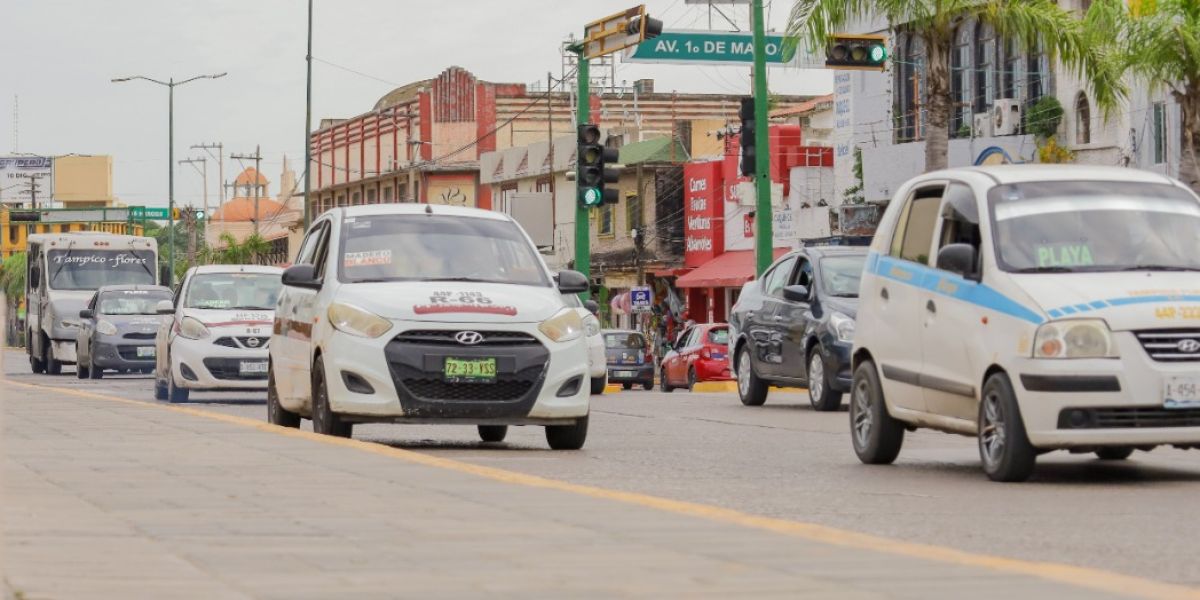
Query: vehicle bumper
(715,369)
(1103,402)
(642,373)
(120,355)
(63,351)
(213,367)
(544,382)
(597,359)
(837,360)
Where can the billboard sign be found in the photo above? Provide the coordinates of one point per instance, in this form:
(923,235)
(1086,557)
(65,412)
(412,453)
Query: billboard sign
(16,173)
(704,235)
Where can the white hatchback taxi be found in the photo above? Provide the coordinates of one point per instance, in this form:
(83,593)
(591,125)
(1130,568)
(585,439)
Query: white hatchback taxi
(217,336)
(1036,308)
(414,313)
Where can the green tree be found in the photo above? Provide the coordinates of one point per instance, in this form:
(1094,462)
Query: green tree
(935,21)
(232,252)
(12,281)
(1159,42)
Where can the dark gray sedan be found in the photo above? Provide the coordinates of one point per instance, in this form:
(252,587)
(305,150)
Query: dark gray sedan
(117,329)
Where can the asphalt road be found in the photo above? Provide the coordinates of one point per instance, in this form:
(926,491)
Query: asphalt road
(784,460)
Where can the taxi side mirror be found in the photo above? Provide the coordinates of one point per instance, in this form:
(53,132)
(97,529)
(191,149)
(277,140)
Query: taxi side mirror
(572,282)
(959,259)
(86,313)
(164,307)
(301,276)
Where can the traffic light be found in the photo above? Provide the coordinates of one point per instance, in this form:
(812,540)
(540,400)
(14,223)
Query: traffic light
(175,214)
(593,158)
(644,27)
(856,52)
(746,114)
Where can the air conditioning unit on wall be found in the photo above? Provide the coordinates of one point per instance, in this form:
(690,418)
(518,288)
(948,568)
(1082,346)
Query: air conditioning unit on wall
(1006,114)
(982,125)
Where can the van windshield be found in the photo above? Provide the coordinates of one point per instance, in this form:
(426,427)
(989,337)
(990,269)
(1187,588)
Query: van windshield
(1088,226)
(88,269)
(437,248)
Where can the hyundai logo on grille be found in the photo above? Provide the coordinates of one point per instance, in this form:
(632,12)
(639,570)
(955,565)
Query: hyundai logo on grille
(1189,346)
(253,342)
(468,338)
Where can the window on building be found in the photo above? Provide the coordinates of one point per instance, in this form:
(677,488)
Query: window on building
(1033,74)
(1083,119)
(341,200)
(402,192)
(1160,132)
(909,82)
(543,185)
(355,199)
(604,220)
(371,196)
(1010,78)
(387,194)
(633,213)
(985,60)
(506,198)
(960,79)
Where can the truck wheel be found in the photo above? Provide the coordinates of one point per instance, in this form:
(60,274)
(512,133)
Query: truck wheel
(567,437)
(324,420)
(493,433)
(1004,448)
(53,366)
(876,436)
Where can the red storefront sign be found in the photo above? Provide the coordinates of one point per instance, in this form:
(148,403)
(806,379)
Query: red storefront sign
(703,210)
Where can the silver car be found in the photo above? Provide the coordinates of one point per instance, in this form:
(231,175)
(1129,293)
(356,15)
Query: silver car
(116,330)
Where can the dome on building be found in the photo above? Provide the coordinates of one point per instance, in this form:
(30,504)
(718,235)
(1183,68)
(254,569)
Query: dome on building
(242,209)
(249,176)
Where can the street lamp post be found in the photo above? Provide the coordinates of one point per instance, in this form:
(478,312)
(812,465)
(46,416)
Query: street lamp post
(170,85)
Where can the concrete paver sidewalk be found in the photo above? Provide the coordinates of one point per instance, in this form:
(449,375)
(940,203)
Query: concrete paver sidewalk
(104,499)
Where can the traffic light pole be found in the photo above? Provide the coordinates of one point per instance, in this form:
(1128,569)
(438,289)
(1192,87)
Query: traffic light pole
(583,241)
(763,217)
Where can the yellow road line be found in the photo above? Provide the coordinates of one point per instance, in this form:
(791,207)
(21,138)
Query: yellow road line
(1083,577)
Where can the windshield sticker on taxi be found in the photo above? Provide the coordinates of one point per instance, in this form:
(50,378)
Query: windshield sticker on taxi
(462,302)
(1064,255)
(368,258)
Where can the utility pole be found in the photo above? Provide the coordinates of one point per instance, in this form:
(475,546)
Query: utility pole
(34,186)
(583,242)
(220,158)
(257,158)
(203,170)
(763,218)
(307,125)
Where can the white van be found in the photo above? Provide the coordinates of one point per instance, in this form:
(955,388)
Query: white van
(416,313)
(1034,307)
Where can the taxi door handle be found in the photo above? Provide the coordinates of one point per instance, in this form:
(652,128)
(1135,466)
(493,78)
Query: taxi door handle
(931,307)
(883,293)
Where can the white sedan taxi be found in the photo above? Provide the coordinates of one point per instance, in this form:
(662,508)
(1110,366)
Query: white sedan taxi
(412,313)
(216,339)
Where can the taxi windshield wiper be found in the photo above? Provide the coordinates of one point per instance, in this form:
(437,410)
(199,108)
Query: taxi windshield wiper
(1159,268)
(1045,269)
(251,307)
(469,279)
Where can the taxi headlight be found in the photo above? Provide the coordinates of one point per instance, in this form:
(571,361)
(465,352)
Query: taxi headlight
(192,328)
(562,327)
(355,321)
(1075,338)
(106,328)
(842,325)
(592,325)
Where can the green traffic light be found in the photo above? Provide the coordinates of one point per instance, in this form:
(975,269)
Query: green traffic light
(878,53)
(592,197)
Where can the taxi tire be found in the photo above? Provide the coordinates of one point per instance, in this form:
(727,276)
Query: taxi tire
(160,389)
(492,433)
(627,385)
(648,386)
(1114,453)
(885,434)
(53,365)
(94,371)
(81,371)
(276,413)
(176,394)
(567,437)
(1018,456)
(324,420)
(598,384)
(663,386)
(756,394)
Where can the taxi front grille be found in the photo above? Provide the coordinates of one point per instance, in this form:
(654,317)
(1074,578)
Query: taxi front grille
(437,337)
(1128,417)
(249,342)
(1171,345)
(138,335)
(129,352)
(231,369)
(506,388)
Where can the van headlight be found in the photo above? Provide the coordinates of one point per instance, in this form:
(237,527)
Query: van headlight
(1074,338)
(192,328)
(842,325)
(106,328)
(564,326)
(358,322)
(591,325)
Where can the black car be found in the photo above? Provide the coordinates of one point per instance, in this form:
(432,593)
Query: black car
(117,329)
(794,326)
(629,358)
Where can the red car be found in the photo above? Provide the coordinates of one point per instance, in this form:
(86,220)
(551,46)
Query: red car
(698,355)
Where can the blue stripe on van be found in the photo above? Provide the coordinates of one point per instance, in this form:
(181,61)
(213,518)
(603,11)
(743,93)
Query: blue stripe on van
(949,285)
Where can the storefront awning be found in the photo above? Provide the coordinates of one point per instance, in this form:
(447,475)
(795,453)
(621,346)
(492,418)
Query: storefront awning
(731,269)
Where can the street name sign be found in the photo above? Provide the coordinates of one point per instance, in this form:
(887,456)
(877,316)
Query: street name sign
(140,212)
(714,47)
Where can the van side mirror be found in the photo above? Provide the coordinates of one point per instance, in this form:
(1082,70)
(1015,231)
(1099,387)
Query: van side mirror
(86,313)
(572,282)
(301,276)
(164,275)
(796,293)
(960,259)
(164,307)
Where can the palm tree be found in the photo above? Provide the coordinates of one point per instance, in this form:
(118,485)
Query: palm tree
(1159,41)
(935,21)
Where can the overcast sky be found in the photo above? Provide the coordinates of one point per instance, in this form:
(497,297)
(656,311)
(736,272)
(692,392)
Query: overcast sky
(60,55)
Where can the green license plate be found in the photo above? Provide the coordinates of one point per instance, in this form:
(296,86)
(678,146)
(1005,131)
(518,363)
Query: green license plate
(470,370)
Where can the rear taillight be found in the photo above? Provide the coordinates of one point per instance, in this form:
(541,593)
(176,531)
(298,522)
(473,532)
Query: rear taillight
(705,353)
(649,356)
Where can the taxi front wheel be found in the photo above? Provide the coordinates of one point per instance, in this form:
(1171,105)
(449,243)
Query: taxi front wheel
(567,437)
(877,437)
(1004,447)
(276,413)
(324,420)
